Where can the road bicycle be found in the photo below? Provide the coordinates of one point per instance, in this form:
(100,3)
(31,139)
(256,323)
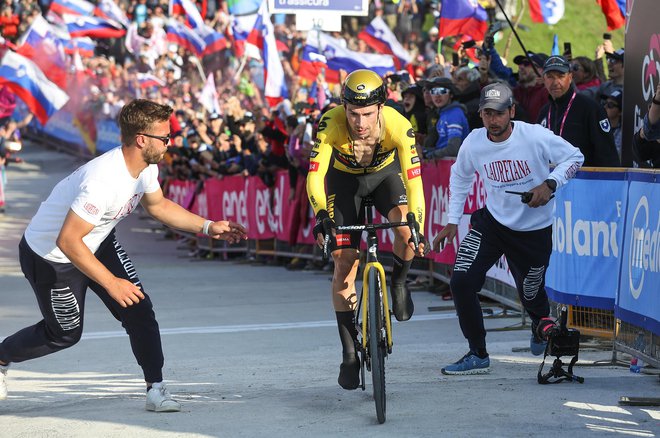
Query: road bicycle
(372,314)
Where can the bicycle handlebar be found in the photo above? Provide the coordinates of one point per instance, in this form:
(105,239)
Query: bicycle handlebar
(410,223)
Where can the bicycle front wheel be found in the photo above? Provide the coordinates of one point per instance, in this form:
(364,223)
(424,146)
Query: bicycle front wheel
(377,342)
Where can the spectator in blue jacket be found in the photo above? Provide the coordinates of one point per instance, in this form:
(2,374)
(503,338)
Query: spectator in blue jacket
(452,125)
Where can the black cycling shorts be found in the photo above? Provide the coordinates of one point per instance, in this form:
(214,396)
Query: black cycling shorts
(345,192)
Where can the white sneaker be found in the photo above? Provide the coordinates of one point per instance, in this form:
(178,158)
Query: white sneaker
(159,399)
(3,382)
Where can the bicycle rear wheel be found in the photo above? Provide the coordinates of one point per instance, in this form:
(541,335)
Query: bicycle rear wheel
(377,343)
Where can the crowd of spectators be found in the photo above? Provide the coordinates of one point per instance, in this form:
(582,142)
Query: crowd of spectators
(246,136)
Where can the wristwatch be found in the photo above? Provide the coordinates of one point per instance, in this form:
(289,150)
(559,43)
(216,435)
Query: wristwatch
(551,183)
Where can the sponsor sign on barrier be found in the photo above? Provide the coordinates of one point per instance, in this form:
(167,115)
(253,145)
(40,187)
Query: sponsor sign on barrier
(639,286)
(587,234)
(606,232)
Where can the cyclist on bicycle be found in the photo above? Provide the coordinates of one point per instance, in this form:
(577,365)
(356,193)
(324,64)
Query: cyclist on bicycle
(364,148)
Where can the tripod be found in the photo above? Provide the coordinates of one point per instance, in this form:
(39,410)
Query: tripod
(558,373)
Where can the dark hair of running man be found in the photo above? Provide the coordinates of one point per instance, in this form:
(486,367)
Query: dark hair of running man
(138,116)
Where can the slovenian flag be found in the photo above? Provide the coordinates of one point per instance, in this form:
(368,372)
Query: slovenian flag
(190,12)
(110,9)
(184,36)
(215,42)
(84,46)
(147,80)
(615,12)
(312,64)
(94,27)
(24,78)
(380,37)
(73,7)
(241,26)
(340,58)
(262,37)
(40,44)
(463,17)
(542,11)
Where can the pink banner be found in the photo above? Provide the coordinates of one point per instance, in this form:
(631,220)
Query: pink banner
(259,216)
(181,192)
(248,201)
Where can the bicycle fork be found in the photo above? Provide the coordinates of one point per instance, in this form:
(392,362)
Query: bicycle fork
(386,307)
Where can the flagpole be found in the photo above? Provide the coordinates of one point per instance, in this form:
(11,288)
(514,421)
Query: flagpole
(513,29)
(240,67)
(198,64)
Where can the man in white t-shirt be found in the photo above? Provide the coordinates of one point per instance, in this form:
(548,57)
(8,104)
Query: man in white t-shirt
(70,245)
(508,156)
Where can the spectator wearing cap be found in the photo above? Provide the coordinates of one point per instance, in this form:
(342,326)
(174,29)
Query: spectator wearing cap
(576,117)
(522,232)
(452,125)
(613,108)
(615,73)
(529,92)
(646,141)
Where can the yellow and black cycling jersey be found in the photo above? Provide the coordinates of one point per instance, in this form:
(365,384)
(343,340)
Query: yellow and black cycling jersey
(333,146)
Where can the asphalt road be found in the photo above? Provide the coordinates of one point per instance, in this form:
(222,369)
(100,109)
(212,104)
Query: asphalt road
(253,351)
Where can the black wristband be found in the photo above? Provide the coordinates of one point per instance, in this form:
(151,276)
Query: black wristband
(657,102)
(551,183)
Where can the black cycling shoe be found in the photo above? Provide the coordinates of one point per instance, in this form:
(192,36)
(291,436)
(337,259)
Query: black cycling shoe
(349,372)
(402,303)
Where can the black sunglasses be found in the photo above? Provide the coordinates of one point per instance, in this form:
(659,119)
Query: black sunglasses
(164,138)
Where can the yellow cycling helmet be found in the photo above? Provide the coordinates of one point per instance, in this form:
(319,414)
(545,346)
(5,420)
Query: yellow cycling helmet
(364,88)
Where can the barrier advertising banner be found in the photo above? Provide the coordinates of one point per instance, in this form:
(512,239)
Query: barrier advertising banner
(586,240)
(639,287)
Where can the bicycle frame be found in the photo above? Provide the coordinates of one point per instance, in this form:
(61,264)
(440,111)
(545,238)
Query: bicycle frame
(373,263)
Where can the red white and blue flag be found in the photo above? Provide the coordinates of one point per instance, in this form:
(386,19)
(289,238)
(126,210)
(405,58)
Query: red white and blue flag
(381,38)
(84,46)
(614,11)
(25,79)
(312,64)
(215,42)
(73,7)
(94,27)
(262,37)
(40,44)
(110,9)
(189,11)
(148,80)
(546,11)
(338,57)
(241,26)
(463,17)
(181,35)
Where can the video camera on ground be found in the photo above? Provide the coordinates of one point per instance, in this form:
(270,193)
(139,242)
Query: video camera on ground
(562,341)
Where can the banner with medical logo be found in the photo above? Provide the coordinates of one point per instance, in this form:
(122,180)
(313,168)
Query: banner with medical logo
(587,237)
(639,289)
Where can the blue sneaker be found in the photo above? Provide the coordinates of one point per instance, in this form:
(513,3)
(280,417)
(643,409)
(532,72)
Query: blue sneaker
(468,364)
(537,345)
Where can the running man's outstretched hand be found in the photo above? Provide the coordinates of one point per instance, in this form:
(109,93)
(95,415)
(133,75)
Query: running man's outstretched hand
(124,292)
(230,231)
(446,235)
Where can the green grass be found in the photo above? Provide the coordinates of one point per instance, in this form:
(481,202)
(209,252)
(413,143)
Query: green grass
(583,26)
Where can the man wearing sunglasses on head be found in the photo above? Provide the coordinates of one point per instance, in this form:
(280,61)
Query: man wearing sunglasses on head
(70,245)
(451,127)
